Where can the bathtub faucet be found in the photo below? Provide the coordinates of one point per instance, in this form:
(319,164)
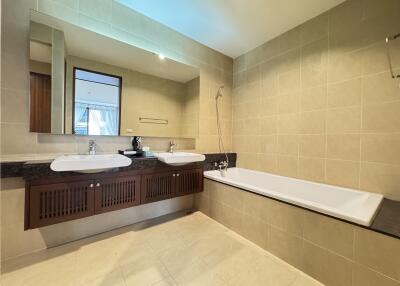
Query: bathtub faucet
(222,167)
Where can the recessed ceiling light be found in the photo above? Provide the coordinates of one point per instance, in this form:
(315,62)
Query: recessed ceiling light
(161,56)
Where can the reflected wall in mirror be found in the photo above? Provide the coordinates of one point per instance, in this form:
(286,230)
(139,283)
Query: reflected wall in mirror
(108,87)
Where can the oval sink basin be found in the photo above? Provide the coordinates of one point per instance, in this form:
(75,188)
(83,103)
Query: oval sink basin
(89,163)
(179,158)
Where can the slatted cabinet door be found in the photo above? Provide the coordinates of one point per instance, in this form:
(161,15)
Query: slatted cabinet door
(55,203)
(188,182)
(117,193)
(156,187)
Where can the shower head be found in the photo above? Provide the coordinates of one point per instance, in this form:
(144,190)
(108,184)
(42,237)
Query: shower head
(219,92)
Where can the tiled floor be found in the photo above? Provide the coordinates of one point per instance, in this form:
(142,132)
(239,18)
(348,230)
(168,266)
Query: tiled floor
(175,250)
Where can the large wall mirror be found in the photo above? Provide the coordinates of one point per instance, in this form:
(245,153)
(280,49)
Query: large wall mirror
(85,83)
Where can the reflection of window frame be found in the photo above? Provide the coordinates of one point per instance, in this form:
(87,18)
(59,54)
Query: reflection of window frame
(73,96)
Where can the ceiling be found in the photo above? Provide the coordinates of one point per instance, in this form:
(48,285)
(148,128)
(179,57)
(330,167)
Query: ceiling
(92,46)
(232,27)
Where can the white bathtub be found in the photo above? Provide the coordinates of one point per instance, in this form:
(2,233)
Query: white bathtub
(347,204)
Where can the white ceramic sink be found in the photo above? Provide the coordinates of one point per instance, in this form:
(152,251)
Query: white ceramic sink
(179,158)
(89,163)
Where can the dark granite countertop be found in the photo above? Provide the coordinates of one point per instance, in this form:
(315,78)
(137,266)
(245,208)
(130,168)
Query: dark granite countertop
(30,170)
(387,220)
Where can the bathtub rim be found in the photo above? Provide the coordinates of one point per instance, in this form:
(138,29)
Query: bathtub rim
(301,203)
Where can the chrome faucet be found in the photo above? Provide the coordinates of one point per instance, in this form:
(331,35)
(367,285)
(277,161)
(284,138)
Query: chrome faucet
(92,147)
(222,167)
(172,146)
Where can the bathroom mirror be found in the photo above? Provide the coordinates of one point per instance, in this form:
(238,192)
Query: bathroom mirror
(85,83)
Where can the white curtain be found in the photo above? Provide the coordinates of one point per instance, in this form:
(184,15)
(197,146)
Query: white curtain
(103,119)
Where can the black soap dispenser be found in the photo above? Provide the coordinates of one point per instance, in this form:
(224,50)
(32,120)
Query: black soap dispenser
(137,145)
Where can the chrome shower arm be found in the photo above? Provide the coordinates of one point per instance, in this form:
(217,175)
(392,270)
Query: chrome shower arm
(388,39)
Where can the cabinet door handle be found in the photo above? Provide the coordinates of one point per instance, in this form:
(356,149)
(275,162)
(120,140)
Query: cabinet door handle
(91,186)
(98,185)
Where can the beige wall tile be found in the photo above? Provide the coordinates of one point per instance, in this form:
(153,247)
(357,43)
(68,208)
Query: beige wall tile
(364,276)
(287,165)
(343,146)
(286,217)
(345,26)
(379,88)
(288,61)
(290,81)
(312,145)
(269,105)
(379,20)
(269,163)
(312,122)
(377,251)
(374,59)
(325,266)
(269,144)
(271,49)
(343,120)
(290,40)
(329,233)
(255,230)
(286,246)
(313,98)
(344,94)
(380,178)
(288,145)
(312,169)
(343,91)
(289,103)
(269,78)
(314,61)
(342,173)
(14,106)
(382,117)
(231,197)
(315,29)
(16,139)
(288,123)
(344,66)
(268,125)
(256,206)
(381,148)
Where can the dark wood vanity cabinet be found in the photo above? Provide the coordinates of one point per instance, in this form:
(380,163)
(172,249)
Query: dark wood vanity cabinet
(188,182)
(161,186)
(62,199)
(59,202)
(116,193)
(157,187)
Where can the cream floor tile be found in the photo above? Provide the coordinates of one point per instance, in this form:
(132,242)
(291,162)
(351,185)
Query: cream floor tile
(114,278)
(144,272)
(183,250)
(199,274)
(303,280)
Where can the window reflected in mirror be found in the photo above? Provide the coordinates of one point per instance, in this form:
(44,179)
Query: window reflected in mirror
(96,103)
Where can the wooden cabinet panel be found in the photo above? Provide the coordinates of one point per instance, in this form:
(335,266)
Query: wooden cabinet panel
(40,103)
(117,193)
(54,203)
(188,182)
(156,187)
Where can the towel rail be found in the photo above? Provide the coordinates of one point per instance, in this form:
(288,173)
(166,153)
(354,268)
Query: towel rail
(153,120)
